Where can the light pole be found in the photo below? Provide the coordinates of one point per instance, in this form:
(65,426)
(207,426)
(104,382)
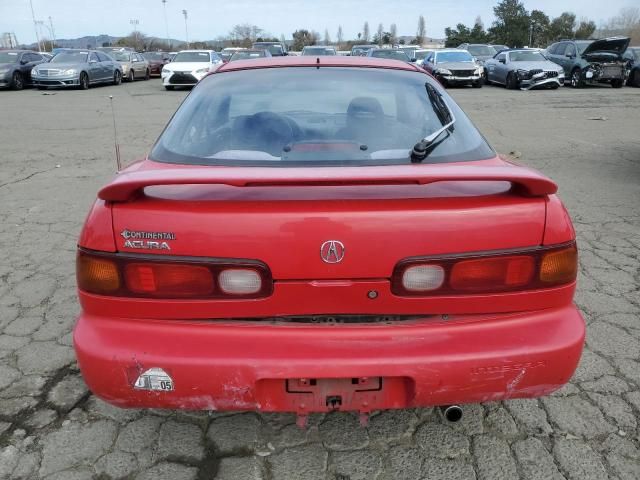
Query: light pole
(35,26)
(166,24)
(53,32)
(135,22)
(186,32)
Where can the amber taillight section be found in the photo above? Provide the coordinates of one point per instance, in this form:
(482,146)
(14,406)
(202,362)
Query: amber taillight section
(493,272)
(156,276)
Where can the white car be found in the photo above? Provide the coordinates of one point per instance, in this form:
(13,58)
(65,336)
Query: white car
(188,67)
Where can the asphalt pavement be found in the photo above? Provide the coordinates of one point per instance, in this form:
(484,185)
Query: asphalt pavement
(56,150)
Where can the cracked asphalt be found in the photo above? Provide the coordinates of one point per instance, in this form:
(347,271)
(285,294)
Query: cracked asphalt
(57,149)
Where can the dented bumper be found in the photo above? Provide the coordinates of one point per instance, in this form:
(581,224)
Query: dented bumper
(222,365)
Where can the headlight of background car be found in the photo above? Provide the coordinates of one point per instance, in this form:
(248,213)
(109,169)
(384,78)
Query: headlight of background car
(71,71)
(4,71)
(166,70)
(202,70)
(443,71)
(524,74)
(479,71)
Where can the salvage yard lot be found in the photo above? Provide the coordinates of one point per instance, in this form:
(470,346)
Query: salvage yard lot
(57,150)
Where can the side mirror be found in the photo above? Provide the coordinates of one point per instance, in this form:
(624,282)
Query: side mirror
(413,60)
(93,61)
(569,55)
(24,62)
(502,60)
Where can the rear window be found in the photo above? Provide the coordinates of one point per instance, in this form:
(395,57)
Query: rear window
(328,116)
(481,50)
(391,54)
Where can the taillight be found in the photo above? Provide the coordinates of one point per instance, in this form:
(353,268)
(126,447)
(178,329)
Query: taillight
(128,275)
(491,272)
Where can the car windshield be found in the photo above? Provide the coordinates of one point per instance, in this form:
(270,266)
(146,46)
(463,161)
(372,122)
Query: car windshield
(423,54)
(70,57)
(276,50)
(635,52)
(318,51)
(9,57)
(525,56)
(443,57)
(393,54)
(192,57)
(582,46)
(154,56)
(120,56)
(329,116)
(482,50)
(246,55)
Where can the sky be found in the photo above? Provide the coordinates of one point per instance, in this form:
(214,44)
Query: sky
(208,20)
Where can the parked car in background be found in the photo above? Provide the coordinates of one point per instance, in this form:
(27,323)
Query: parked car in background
(361,50)
(455,67)
(591,61)
(318,51)
(226,53)
(421,55)
(133,64)
(480,51)
(499,48)
(276,49)
(156,60)
(523,68)
(632,58)
(249,54)
(16,67)
(353,245)
(389,53)
(188,67)
(77,68)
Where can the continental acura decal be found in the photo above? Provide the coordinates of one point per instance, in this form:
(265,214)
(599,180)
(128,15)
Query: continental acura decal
(147,240)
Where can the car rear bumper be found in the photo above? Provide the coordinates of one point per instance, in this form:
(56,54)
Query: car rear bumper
(223,365)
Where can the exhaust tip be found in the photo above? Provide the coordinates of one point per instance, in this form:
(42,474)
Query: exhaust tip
(453,413)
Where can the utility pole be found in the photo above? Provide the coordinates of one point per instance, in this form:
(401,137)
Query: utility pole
(53,32)
(166,24)
(35,26)
(186,32)
(135,22)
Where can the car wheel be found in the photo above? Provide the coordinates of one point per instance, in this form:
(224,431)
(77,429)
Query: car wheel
(635,82)
(17,83)
(168,87)
(147,75)
(117,77)
(84,81)
(617,83)
(131,76)
(512,82)
(554,86)
(576,78)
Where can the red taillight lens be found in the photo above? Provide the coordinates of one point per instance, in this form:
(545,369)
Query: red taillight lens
(486,272)
(492,274)
(127,275)
(162,280)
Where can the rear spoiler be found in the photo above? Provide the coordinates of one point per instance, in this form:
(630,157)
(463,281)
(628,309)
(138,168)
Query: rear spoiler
(127,185)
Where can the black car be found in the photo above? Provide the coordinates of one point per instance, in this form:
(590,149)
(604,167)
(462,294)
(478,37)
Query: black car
(632,56)
(16,66)
(591,61)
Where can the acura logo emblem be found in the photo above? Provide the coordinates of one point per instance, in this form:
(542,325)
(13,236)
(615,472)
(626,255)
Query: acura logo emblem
(332,251)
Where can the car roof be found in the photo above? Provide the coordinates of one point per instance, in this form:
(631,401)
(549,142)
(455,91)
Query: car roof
(313,61)
(197,51)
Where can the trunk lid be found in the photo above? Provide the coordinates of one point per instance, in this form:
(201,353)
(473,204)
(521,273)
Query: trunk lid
(380,214)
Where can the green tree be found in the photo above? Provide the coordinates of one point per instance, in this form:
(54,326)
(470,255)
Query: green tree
(421,32)
(562,26)
(585,29)
(511,26)
(393,34)
(366,35)
(303,38)
(456,36)
(538,29)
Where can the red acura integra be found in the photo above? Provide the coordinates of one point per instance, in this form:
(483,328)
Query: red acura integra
(310,235)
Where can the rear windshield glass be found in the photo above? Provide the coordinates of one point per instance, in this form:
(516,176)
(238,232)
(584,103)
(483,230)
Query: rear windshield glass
(392,54)
(121,56)
(481,50)
(192,57)
(328,116)
(423,54)
(155,56)
(246,55)
(318,51)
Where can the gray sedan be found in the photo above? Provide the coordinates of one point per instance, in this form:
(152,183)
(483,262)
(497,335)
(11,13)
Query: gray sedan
(16,66)
(77,68)
(523,68)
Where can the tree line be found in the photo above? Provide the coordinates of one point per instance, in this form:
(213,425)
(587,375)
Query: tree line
(515,26)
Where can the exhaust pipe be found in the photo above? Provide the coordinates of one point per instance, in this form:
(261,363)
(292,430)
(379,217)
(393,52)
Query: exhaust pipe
(453,413)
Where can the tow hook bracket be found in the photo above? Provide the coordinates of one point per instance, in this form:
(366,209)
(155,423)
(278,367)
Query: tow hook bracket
(334,402)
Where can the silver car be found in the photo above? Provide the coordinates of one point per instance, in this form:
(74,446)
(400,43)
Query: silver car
(77,68)
(133,64)
(523,68)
